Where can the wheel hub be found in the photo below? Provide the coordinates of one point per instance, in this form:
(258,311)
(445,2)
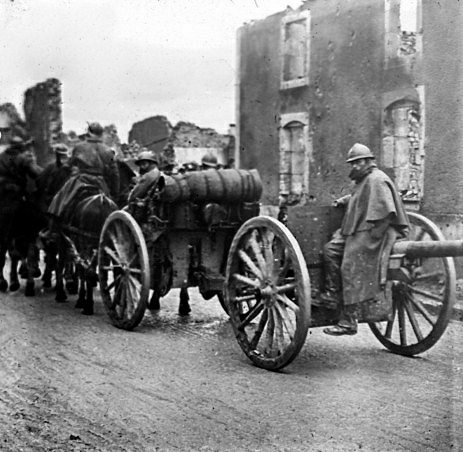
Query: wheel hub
(267,295)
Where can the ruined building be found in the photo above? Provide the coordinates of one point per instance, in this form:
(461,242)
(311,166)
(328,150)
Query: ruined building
(42,109)
(386,73)
(183,143)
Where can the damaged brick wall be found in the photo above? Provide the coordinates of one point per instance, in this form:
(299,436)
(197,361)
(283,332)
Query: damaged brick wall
(186,142)
(11,124)
(42,109)
(191,143)
(151,133)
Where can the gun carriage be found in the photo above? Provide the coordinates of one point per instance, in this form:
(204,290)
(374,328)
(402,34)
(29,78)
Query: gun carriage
(191,233)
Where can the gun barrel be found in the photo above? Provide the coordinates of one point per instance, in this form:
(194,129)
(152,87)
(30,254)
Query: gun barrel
(415,249)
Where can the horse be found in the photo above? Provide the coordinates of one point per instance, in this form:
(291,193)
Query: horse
(78,243)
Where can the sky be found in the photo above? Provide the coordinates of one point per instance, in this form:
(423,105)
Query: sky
(121,61)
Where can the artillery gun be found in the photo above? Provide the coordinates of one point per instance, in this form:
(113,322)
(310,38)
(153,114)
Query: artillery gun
(205,230)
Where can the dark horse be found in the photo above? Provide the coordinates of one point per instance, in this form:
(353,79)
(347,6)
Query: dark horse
(20,222)
(78,243)
(28,220)
(77,240)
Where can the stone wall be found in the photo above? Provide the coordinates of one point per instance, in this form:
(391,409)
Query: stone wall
(185,142)
(42,109)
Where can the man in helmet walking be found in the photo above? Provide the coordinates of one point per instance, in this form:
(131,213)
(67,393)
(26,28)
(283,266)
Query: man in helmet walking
(374,214)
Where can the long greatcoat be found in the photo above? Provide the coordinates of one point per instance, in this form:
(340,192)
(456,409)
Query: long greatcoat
(15,170)
(96,171)
(375,214)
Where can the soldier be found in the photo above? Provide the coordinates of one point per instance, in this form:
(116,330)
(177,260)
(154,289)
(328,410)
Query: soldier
(94,169)
(374,215)
(17,169)
(54,175)
(17,164)
(149,175)
(209,161)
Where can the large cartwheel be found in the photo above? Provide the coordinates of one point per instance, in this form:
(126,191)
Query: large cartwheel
(422,301)
(123,268)
(267,292)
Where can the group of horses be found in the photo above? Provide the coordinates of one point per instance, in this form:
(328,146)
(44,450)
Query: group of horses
(70,251)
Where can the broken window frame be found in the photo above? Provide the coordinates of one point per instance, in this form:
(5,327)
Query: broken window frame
(401,42)
(294,189)
(303,79)
(413,169)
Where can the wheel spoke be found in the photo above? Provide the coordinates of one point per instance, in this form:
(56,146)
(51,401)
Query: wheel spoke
(279,337)
(291,305)
(250,264)
(251,315)
(420,234)
(286,287)
(113,255)
(427,294)
(402,327)
(111,267)
(117,245)
(117,292)
(256,248)
(115,281)
(123,298)
(413,321)
(260,328)
(390,323)
(285,319)
(267,240)
(244,298)
(269,330)
(423,311)
(432,275)
(248,281)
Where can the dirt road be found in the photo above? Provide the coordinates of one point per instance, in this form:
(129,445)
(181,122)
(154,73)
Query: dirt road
(76,383)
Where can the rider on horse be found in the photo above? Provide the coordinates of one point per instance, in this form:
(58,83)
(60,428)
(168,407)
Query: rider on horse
(94,171)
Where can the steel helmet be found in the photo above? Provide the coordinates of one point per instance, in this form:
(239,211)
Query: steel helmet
(209,160)
(61,149)
(146,155)
(95,128)
(359,151)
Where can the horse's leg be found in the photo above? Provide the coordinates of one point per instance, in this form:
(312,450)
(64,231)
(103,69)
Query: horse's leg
(3,281)
(184,307)
(60,292)
(35,256)
(31,264)
(50,264)
(154,304)
(14,262)
(89,285)
(72,281)
(80,304)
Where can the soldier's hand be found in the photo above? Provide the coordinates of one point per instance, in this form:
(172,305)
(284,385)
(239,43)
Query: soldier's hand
(341,202)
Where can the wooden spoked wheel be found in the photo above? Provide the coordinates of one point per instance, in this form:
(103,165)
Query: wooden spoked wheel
(123,270)
(267,292)
(421,307)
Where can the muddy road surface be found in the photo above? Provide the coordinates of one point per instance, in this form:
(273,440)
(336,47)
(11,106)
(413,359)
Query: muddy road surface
(76,383)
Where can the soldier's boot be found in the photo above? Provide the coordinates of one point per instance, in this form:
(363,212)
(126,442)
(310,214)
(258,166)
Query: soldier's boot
(347,325)
(331,298)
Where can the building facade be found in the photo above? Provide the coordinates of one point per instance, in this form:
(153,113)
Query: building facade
(386,73)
